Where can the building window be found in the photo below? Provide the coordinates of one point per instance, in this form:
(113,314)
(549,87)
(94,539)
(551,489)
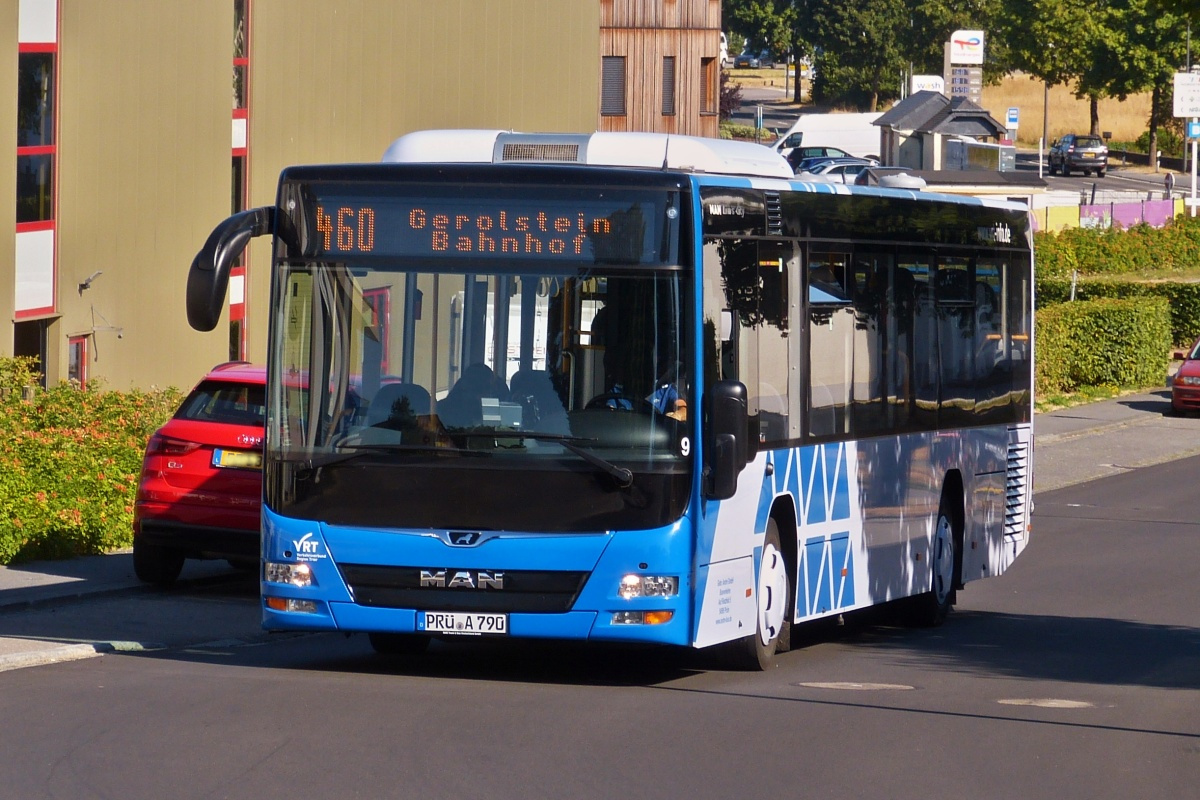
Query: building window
(35,188)
(77,360)
(241,58)
(668,86)
(35,100)
(612,86)
(708,86)
(35,136)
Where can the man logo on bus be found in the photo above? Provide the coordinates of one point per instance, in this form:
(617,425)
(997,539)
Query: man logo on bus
(461,579)
(464,538)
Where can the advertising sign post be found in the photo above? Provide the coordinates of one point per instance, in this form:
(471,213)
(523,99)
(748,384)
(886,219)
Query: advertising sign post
(1187,104)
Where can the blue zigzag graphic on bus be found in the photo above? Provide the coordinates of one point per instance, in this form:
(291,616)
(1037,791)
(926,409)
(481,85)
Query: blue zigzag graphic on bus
(825,488)
(819,478)
(827,572)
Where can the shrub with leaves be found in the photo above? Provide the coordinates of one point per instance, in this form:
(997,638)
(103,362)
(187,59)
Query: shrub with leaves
(1106,342)
(69,463)
(1140,249)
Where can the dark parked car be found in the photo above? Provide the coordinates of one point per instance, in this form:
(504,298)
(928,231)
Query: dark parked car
(200,494)
(746,60)
(801,158)
(1185,386)
(1079,152)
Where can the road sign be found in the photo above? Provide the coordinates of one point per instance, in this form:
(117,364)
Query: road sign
(1014,117)
(1193,130)
(1187,94)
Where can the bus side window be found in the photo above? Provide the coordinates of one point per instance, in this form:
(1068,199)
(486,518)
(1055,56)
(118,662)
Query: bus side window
(830,342)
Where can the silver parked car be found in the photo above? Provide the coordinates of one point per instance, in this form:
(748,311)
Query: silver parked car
(1079,152)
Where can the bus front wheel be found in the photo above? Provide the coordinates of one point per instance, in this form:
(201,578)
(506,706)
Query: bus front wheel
(773,629)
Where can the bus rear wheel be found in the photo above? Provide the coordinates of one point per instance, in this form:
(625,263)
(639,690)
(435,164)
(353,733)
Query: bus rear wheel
(931,608)
(773,628)
(398,644)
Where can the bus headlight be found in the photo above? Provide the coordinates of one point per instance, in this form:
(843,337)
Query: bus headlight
(634,585)
(642,617)
(293,574)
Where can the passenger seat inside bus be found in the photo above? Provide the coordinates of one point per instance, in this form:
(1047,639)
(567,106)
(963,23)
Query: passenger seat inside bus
(541,408)
(397,406)
(463,406)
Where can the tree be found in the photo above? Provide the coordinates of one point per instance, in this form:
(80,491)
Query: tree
(859,48)
(1147,45)
(1056,41)
(770,24)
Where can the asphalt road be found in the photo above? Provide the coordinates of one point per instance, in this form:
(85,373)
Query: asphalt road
(1076,674)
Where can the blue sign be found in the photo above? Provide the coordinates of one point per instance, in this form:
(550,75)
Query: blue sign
(1014,116)
(1193,130)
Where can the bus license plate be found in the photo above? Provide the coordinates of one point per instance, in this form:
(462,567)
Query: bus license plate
(462,623)
(237,459)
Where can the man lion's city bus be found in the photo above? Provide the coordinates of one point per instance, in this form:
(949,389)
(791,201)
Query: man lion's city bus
(629,387)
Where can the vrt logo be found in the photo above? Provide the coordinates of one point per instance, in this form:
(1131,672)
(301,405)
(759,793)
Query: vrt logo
(305,545)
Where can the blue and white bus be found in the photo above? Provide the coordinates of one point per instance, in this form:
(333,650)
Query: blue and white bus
(629,387)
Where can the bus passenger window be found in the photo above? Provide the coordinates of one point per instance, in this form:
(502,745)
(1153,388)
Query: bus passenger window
(831,340)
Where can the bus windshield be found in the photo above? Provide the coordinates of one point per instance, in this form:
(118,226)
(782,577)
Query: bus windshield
(555,387)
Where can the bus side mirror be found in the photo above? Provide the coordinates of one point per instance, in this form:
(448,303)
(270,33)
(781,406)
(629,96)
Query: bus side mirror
(208,277)
(726,446)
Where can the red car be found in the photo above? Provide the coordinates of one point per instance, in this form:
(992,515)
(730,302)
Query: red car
(1185,386)
(200,494)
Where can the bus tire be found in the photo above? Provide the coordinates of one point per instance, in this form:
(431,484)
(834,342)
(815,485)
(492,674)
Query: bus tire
(156,564)
(930,609)
(773,626)
(398,644)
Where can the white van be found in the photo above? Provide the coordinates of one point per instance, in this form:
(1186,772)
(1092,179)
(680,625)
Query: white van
(724,50)
(853,132)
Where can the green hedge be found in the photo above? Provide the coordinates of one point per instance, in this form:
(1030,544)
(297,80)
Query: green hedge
(1140,249)
(69,463)
(1105,342)
(1183,298)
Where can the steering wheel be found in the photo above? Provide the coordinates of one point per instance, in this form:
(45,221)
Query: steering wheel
(616,401)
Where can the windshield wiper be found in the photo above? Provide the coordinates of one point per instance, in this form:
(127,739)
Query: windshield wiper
(356,451)
(623,476)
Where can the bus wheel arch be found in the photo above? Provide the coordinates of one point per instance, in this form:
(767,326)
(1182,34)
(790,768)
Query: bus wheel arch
(775,596)
(930,608)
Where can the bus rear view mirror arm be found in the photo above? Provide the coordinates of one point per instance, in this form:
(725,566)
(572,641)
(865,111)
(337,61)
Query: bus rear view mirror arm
(208,277)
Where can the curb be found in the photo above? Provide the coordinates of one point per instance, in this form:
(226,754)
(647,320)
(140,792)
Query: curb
(71,652)
(1051,438)
(51,598)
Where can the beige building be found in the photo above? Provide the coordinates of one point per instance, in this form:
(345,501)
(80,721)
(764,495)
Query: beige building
(139,124)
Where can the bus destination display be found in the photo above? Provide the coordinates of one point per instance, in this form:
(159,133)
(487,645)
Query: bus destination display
(556,230)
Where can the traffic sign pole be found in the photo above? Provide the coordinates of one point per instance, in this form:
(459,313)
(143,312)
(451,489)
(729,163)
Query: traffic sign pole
(1194,128)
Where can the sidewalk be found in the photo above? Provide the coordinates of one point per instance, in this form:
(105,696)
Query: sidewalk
(41,585)
(1071,446)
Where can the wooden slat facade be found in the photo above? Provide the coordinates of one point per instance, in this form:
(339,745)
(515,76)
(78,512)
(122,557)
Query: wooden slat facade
(644,32)
(660,14)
